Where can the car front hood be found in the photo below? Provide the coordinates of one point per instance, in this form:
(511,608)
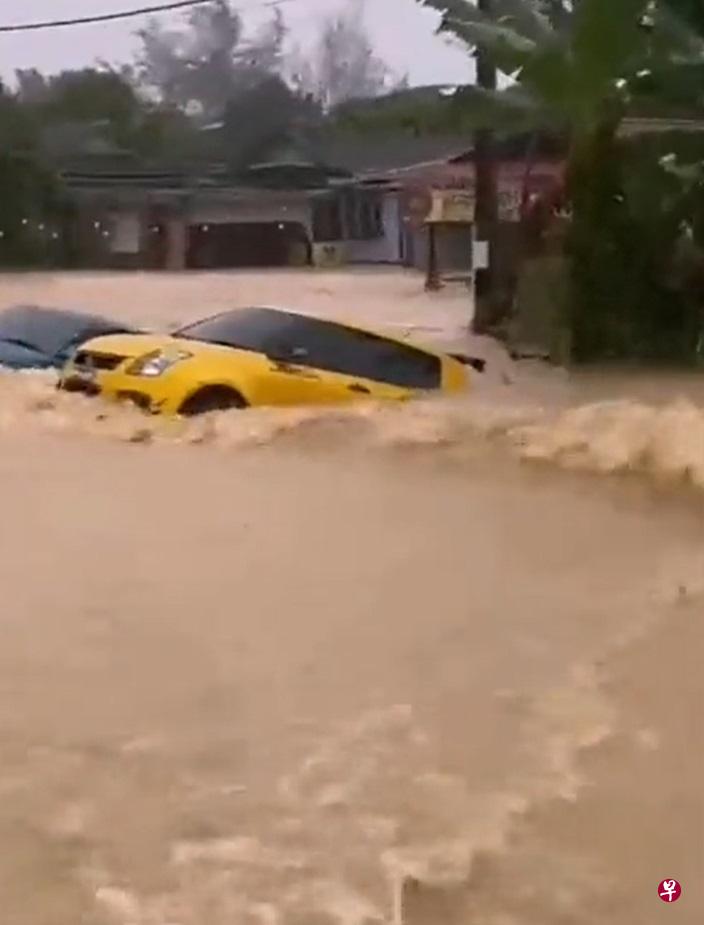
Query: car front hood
(129,346)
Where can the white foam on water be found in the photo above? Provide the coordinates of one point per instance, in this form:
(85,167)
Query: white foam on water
(366,816)
(665,443)
(381,769)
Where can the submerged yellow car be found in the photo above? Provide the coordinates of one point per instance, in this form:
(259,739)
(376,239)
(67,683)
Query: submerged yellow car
(259,356)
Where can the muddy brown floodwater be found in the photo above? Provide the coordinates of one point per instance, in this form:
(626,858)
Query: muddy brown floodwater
(432,664)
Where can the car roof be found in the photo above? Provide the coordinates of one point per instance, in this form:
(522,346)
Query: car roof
(82,319)
(332,322)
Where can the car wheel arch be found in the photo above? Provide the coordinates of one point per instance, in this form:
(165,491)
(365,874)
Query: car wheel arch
(212,396)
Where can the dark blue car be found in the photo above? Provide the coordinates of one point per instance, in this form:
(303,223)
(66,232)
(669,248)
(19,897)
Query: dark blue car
(32,337)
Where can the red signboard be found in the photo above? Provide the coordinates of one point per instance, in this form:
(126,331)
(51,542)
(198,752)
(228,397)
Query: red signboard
(516,181)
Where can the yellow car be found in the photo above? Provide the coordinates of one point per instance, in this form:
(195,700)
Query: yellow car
(259,356)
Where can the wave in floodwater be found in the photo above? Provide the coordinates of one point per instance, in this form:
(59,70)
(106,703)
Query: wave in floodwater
(368,828)
(229,767)
(617,436)
(365,819)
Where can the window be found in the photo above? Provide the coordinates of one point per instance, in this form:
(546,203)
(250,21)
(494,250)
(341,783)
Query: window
(321,345)
(364,216)
(345,350)
(371,219)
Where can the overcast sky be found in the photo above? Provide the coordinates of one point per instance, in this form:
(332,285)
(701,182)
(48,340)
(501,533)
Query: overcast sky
(402,32)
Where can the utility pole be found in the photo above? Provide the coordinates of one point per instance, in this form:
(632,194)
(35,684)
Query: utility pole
(486,198)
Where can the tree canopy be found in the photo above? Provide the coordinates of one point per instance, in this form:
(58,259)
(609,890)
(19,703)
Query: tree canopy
(342,64)
(205,88)
(268,115)
(582,67)
(200,67)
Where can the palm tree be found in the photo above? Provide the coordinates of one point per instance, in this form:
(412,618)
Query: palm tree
(574,64)
(578,66)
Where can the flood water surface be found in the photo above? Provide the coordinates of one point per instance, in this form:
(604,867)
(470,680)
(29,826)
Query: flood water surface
(418,665)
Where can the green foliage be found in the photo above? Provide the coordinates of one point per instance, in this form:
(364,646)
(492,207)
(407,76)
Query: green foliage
(101,99)
(18,129)
(31,197)
(27,189)
(688,11)
(267,116)
(91,95)
(199,67)
(629,216)
(575,62)
(163,133)
(584,65)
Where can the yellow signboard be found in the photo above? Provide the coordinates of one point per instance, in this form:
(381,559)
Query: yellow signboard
(452,206)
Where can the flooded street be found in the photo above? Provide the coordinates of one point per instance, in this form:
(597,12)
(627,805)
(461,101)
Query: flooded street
(416,665)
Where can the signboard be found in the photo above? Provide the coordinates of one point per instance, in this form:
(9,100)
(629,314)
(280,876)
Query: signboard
(424,190)
(458,205)
(452,207)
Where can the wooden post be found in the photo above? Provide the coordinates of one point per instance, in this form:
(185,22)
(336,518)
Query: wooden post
(432,279)
(486,198)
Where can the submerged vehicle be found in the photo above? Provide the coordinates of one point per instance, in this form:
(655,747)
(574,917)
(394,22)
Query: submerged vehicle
(32,337)
(259,357)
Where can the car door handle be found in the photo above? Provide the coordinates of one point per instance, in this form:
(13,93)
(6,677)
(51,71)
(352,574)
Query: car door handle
(359,388)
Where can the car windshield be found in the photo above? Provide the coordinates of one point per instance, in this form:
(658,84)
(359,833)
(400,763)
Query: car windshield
(48,331)
(258,329)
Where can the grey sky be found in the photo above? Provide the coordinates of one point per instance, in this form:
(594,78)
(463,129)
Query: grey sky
(403,34)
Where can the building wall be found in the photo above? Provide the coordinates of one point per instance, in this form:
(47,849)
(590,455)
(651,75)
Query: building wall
(130,240)
(126,232)
(386,249)
(100,237)
(260,207)
(136,228)
(453,247)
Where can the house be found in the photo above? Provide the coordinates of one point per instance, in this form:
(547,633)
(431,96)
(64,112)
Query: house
(129,214)
(351,192)
(355,198)
(400,182)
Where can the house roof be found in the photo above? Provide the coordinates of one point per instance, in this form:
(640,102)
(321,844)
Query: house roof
(352,154)
(302,159)
(373,153)
(67,140)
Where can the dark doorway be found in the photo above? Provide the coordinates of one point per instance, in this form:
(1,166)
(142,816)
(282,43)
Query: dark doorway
(265,244)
